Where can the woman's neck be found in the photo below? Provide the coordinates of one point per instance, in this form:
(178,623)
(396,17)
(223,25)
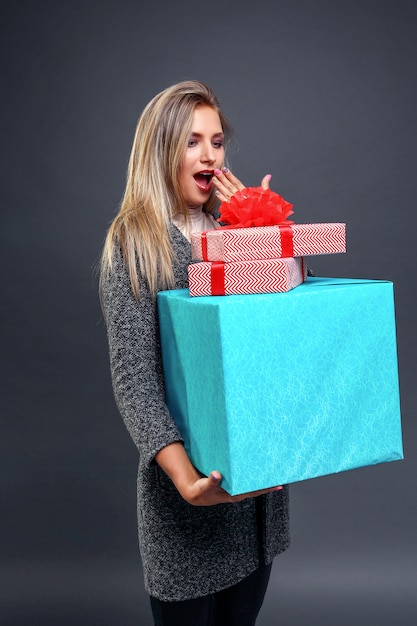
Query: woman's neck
(194,212)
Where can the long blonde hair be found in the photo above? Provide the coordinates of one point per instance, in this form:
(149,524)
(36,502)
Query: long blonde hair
(153,194)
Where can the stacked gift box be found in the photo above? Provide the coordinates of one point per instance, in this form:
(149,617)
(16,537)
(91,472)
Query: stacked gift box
(282,382)
(259,250)
(263,259)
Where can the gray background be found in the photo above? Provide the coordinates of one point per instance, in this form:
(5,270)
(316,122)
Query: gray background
(323,96)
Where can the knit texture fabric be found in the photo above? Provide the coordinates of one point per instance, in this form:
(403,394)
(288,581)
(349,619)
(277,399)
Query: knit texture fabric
(187,551)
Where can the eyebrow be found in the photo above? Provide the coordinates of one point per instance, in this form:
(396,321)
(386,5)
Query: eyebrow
(219,134)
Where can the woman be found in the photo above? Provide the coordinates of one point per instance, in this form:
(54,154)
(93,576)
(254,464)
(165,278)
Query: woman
(206,555)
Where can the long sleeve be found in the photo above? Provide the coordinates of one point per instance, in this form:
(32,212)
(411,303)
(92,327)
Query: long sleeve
(135,361)
(187,551)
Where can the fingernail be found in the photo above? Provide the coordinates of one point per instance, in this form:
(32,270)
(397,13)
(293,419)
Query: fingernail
(278,488)
(225,170)
(269,176)
(217,172)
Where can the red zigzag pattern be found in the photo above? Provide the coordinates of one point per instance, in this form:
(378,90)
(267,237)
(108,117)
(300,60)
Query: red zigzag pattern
(264,242)
(241,277)
(320,239)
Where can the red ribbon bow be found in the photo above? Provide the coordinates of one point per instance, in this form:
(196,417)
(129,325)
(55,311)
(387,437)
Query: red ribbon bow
(255,206)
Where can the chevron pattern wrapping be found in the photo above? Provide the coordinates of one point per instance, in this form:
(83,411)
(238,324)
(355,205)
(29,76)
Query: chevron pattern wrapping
(240,277)
(268,242)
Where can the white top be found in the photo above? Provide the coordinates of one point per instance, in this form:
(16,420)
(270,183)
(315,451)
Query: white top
(198,222)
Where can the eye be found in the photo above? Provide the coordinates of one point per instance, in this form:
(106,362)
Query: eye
(218,144)
(192,143)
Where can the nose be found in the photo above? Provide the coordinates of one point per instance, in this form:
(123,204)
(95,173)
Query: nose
(208,154)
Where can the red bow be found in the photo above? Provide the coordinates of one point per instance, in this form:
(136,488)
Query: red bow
(255,206)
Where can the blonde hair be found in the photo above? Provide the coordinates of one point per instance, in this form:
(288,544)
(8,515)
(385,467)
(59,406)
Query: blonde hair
(153,194)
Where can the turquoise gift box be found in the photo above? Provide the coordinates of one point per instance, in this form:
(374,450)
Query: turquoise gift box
(276,388)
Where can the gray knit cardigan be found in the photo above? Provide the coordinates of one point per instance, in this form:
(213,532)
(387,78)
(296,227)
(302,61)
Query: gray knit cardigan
(187,551)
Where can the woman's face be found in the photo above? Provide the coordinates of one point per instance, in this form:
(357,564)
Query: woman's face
(203,154)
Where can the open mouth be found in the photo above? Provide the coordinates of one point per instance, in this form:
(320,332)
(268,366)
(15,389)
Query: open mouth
(203,180)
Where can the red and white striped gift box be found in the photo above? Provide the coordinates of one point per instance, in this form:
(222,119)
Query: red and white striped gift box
(268,242)
(240,277)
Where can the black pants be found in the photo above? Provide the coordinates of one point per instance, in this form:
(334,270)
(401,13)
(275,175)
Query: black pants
(236,606)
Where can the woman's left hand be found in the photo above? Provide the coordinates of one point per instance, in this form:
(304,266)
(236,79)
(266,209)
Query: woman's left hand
(227,184)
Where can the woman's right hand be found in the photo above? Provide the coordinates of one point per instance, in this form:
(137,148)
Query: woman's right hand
(227,184)
(197,490)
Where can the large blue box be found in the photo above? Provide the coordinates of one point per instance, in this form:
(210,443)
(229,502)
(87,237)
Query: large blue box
(277,388)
